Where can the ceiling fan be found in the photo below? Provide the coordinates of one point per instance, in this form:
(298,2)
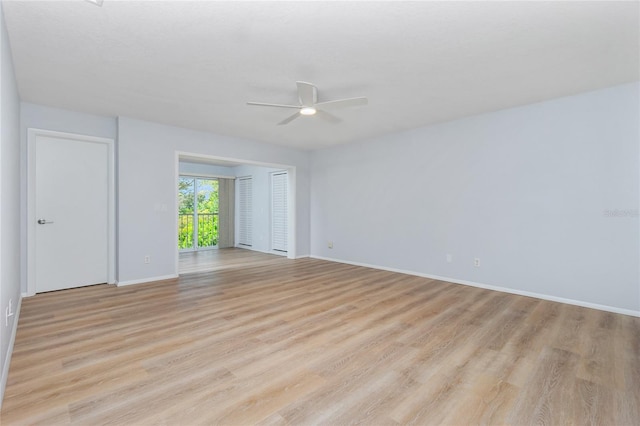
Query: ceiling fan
(309,105)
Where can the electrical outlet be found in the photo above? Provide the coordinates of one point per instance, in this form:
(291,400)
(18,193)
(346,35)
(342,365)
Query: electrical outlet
(449,258)
(476,262)
(8,313)
(330,244)
(147,259)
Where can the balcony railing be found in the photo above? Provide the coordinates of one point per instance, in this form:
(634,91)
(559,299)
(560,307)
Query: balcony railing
(207,230)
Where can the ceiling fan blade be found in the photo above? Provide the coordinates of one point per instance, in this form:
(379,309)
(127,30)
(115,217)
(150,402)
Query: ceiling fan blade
(342,103)
(327,117)
(273,105)
(289,119)
(307,93)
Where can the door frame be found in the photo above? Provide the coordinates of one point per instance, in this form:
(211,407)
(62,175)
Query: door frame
(32,135)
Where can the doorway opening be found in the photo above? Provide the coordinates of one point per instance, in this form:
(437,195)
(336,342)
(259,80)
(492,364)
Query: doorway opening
(244,222)
(198,213)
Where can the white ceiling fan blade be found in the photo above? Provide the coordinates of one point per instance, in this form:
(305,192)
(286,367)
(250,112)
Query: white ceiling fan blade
(327,117)
(307,93)
(342,103)
(289,119)
(273,105)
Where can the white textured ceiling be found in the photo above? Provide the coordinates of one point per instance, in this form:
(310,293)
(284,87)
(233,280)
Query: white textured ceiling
(196,64)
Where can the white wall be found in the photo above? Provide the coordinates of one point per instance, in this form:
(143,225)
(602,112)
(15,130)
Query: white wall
(526,190)
(9,201)
(62,120)
(205,169)
(261,189)
(147,190)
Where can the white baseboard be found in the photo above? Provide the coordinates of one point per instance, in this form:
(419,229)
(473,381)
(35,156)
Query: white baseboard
(7,360)
(302,256)
(492,287)
(146,280)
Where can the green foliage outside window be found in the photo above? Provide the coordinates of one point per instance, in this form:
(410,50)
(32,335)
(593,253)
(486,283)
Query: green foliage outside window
(207,212)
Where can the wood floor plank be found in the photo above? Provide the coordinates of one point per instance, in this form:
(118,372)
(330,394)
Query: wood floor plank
(548,397)
(249,338)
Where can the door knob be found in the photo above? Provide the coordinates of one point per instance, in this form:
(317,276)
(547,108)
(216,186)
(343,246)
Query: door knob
(43,221)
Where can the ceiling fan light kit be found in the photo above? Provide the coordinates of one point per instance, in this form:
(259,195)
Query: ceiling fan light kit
(309,105)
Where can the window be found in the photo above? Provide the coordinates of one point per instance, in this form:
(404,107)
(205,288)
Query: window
(197,213)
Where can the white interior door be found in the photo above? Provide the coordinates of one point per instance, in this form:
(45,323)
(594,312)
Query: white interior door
(245,211)
(70,212)
(279,211)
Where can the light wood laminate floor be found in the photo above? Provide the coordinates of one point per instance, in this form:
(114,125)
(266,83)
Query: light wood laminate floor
(312,342)
(227,258)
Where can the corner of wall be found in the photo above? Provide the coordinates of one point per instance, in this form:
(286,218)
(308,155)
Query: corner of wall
(10,217)
(7,359)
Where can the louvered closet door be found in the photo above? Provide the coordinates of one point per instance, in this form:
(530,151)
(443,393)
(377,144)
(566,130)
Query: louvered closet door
(245,211)
(279,219)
